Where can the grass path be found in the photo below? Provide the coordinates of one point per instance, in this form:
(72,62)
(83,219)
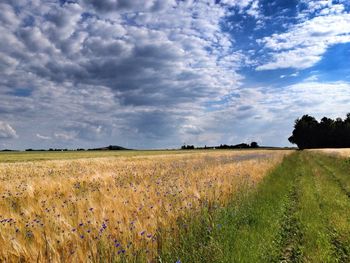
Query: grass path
(299,213)
(335,203)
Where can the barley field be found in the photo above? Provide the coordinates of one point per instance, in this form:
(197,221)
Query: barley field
(341,152)
(114,208)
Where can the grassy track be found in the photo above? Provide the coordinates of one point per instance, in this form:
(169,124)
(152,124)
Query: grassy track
(299,213)
(338,168)
(335,202)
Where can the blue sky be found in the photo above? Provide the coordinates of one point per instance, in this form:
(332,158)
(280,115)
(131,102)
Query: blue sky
(160,73)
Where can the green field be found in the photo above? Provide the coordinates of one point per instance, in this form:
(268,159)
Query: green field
(299,213)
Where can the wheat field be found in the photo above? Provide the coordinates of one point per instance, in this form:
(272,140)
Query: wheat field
(114,208)
(342,152)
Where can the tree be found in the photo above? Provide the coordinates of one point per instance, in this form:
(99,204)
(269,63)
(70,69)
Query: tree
(187,147)
(309,133)
(254,145)
(304,132)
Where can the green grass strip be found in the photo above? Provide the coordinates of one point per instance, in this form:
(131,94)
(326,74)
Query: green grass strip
(316,244)
(300,212)
(335,204)
(338,168)
(248,230)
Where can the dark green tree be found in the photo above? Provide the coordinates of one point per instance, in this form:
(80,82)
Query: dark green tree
(328,133)
(304,132)
(254,145)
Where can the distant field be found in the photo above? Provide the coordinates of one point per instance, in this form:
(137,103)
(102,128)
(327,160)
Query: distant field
(344,152)
(122,206)
(48,155)
(66,155)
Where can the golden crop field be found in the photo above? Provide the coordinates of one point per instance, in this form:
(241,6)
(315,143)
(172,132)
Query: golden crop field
(114,207)
(343,152)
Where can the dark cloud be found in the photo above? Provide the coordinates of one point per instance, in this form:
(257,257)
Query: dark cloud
(155,124)
(135,5)
(244,108)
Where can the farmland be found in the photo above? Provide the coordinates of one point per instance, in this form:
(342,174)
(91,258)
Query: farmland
(335,152)
(8,157)
(185,206)
(116,207)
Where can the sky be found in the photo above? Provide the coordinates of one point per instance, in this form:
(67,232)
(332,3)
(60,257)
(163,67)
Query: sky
(163,73)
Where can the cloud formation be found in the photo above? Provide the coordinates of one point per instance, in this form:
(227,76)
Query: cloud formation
(304,44)
(151,73)
(6,131)
(140,60)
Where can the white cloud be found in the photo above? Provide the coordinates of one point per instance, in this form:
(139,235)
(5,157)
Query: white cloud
(65,136)
(304,44)
(254,10)
(240,3)
(42,137)
(312,78)
(267,114)
(322,7)
(6,131)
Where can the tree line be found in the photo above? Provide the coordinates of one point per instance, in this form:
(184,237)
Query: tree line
(326,133)
(222,146)
(107,148)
